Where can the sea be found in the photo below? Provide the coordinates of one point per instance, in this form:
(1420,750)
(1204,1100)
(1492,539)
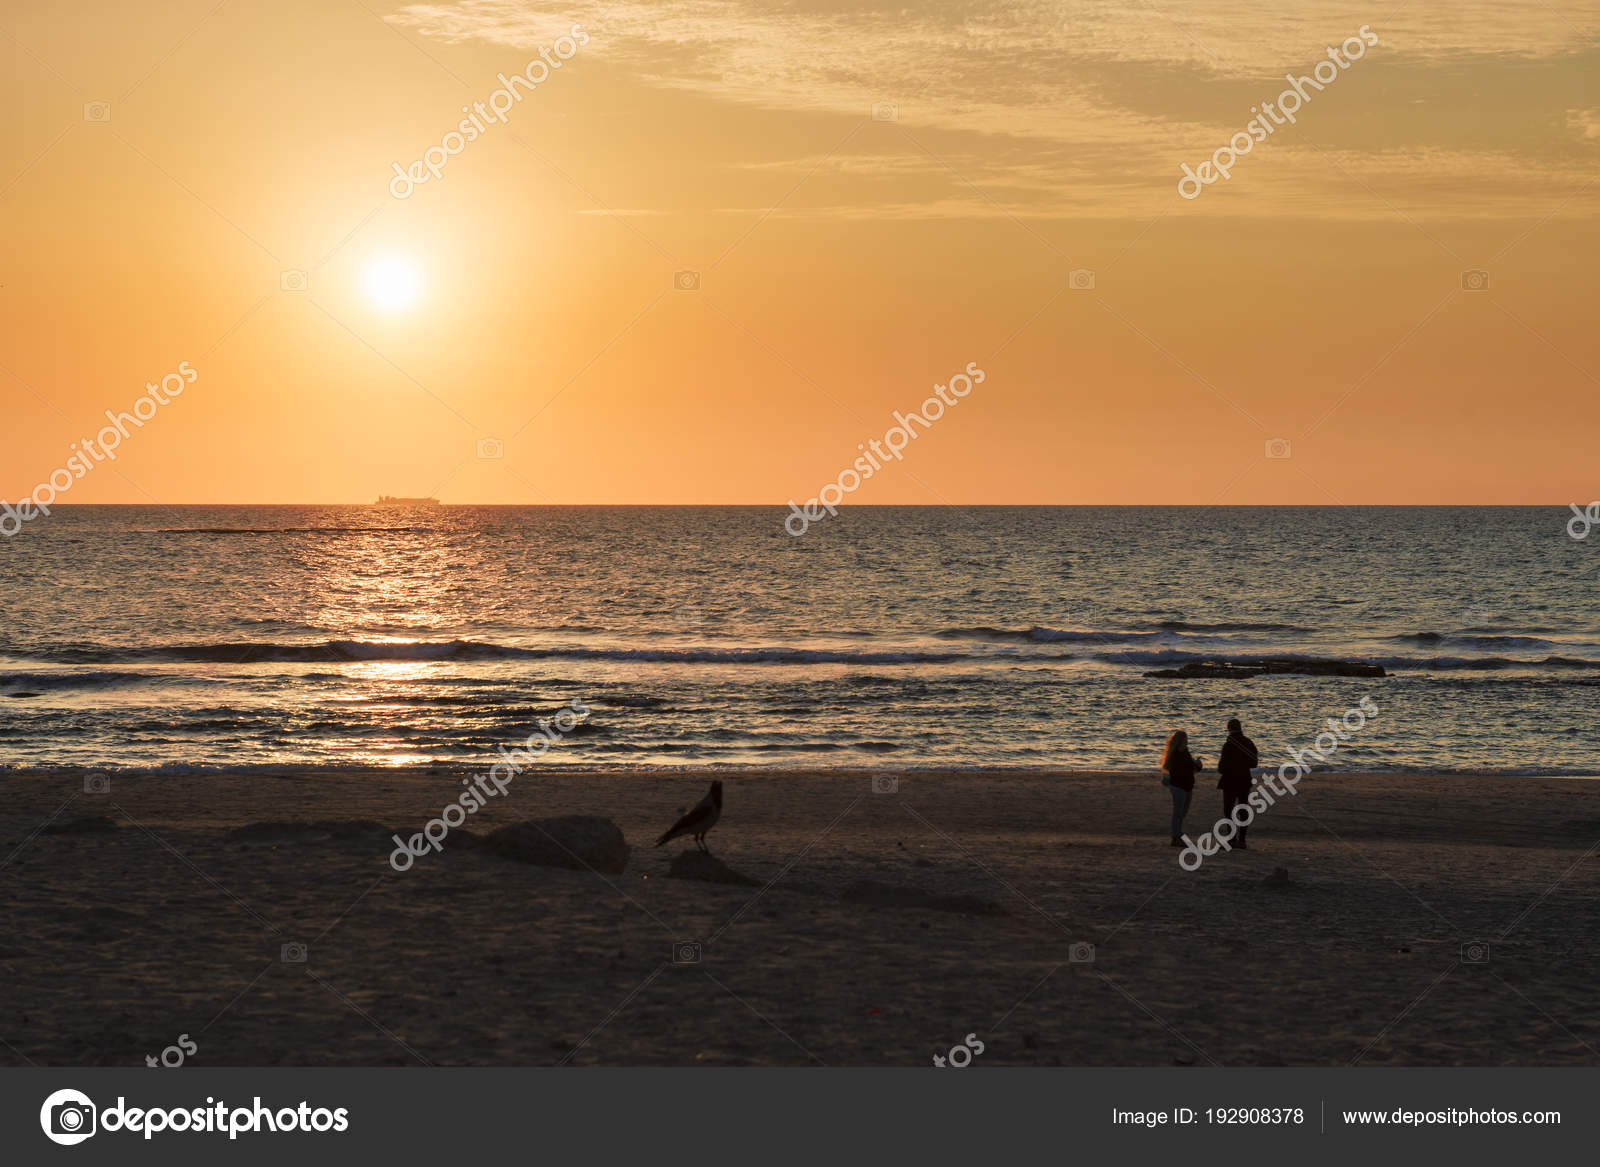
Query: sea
(179,639)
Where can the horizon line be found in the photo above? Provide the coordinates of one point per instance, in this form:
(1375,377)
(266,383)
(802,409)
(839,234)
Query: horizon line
(854,506)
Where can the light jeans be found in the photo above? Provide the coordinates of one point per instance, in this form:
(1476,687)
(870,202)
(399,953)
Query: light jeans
(1180,807)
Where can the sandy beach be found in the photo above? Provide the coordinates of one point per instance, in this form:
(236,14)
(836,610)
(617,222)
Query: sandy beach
(881,928)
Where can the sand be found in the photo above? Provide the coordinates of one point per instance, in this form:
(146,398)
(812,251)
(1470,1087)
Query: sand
(883,928)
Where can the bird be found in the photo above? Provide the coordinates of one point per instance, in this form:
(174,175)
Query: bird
(699,820)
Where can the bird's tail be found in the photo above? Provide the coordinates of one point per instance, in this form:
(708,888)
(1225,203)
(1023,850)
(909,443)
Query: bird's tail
(661,842)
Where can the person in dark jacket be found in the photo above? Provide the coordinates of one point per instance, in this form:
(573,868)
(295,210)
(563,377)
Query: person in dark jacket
(1239,756)
(1181,767)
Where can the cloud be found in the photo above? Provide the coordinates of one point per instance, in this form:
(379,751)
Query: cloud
(1584,123)
(1024,91)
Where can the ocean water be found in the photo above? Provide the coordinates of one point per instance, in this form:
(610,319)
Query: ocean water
(1018,637)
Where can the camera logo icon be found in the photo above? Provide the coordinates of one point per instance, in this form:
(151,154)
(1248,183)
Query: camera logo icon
(686,281)
(292,954)
(885,784)
(1475,952)
(1081,280)
(885,111)
(1080,953)
(686,952)
(490,449)
(96,783)
(1475,280)
(293,280)
(97,111)
(67,1117)
(1278,448)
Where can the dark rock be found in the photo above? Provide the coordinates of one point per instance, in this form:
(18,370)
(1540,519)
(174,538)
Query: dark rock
(1278,878)
(1206,671)
(84,826)
(578,842)
(1264,666)
(883,895)
(698,865)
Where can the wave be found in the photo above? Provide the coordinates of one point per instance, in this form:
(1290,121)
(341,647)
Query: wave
(1484,663)
(283,531)
(721,760)
(1186,626)
(1477,641)
(871,747)
(468,650)
(1165,656)
(1392,663)
(18,684)
(1145,633)
(1039,635)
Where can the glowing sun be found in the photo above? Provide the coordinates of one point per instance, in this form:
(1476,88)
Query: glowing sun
(393,283)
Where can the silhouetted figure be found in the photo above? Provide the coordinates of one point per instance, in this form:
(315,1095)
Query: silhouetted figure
(699,820)
(1181,767)
(1239,756)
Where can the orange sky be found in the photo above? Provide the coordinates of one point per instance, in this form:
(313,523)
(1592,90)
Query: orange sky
(846,263)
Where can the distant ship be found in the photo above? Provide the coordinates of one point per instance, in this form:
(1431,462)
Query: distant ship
(390,500)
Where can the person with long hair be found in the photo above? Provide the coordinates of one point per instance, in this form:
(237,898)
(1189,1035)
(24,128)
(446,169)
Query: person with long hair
(1180,766)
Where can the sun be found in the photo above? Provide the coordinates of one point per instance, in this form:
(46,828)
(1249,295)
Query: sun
(393,283)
